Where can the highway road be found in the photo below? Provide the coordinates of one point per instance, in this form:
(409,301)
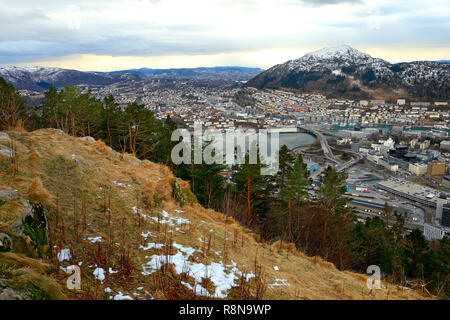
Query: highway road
(328,153)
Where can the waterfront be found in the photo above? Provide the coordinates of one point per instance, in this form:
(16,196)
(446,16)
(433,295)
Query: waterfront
(296,139)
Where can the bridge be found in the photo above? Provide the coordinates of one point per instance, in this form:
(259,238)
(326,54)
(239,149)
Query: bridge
(328,153)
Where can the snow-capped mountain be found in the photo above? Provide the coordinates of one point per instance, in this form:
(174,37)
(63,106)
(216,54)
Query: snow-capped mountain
(40,78)
(346,72)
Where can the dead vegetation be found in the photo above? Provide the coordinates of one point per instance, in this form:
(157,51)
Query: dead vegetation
(91,193)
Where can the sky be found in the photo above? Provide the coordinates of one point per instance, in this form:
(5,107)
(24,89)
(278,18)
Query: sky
(106,35)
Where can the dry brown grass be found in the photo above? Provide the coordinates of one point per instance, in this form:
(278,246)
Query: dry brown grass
(34,156)
(108,186)
(37,192)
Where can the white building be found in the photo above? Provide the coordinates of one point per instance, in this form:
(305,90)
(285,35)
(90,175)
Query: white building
(433,232)
(445,145)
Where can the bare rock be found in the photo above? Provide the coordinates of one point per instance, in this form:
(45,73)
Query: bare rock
(17,226)
(8,195)
(6,242)
(88,138)
(11,294)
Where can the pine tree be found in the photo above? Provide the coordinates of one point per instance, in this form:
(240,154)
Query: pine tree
(332,204)
(11,106)
(252,186)
(293,189)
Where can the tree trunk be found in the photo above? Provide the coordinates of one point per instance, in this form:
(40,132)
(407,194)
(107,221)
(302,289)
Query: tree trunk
(324,232)
(290,221)
(249,208)
(108,125)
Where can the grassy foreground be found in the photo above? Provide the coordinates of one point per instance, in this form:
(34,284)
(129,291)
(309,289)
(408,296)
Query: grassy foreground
(137,232)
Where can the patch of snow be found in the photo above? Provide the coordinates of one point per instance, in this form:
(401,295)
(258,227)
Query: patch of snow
(278,283)
(121,296)
(95,239)
(111,271)
(222,276)
(187,285)
(276,268)
(167,218)
(151,246)
(120,184)
(336,72)
(145,235)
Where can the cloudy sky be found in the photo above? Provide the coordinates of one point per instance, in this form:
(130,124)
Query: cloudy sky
(111,34)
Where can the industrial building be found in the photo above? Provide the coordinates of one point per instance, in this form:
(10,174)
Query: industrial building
(376,207)
(413,192)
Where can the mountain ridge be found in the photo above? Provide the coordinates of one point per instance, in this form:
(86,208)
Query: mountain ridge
(345,72)
(38,78)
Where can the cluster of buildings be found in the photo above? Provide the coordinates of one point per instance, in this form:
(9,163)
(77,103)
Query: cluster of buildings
(400,136)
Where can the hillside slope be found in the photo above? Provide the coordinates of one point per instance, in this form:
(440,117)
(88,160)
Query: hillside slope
(136,232)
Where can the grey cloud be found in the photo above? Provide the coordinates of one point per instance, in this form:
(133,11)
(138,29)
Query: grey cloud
(28,33)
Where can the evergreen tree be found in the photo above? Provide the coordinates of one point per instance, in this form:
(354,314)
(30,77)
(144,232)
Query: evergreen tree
(415,248)
(252,186)
(285,163)
(293,189)
(110,115)
(11,106)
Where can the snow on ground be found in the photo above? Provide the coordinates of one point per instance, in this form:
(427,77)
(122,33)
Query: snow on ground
(136,210)
(99,274)
(151,246)
(120,184)
(167,218)
(95,239)
(111,271)
(276,268)
(222,276)
(121,296)
(63,255)
(278,283)
(145,235)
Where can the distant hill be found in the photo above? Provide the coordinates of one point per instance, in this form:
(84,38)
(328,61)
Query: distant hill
(202,73)
(346,72)
(41,78)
